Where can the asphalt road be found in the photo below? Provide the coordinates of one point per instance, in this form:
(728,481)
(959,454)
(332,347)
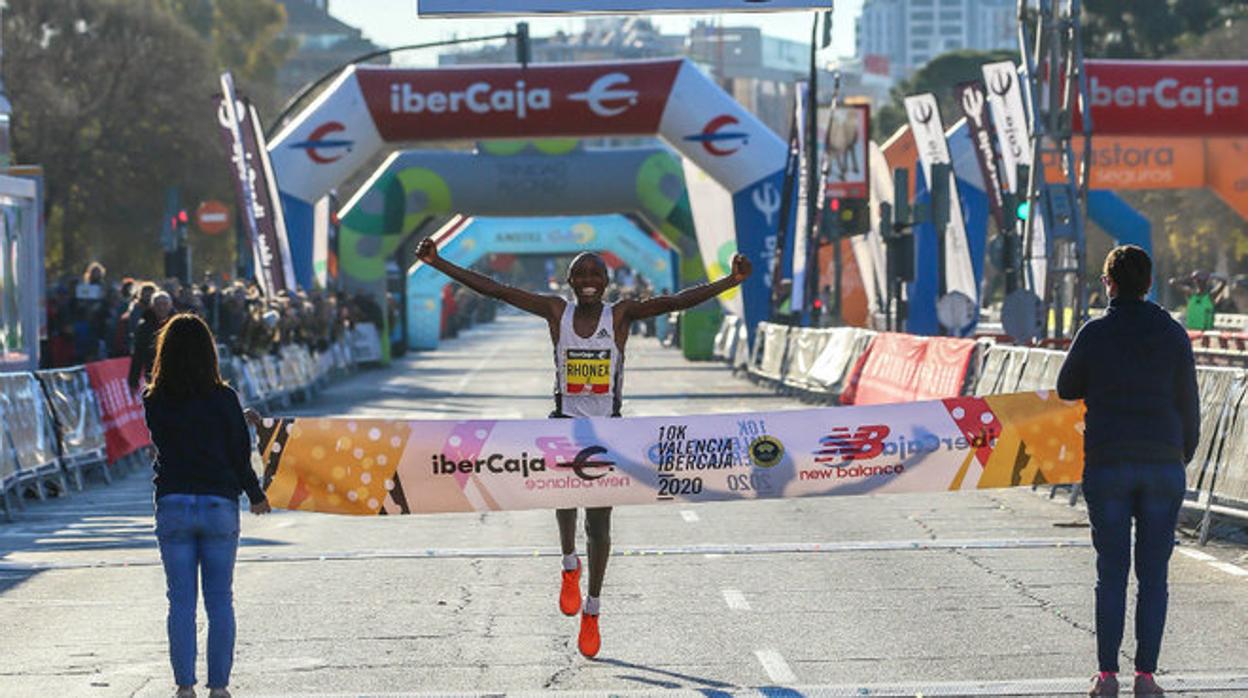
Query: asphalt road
(981,593)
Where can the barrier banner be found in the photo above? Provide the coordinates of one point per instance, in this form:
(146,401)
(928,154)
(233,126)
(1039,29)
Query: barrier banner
(121,410)
(385,466)
(904,367)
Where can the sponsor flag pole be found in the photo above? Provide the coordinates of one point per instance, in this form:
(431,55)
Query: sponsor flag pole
(811,175)
(230,118)
(784,225)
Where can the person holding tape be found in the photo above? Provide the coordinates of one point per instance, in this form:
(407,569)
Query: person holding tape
(1134,369)
(588,335)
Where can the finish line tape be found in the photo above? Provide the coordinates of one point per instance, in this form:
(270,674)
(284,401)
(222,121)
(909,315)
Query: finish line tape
(388,466)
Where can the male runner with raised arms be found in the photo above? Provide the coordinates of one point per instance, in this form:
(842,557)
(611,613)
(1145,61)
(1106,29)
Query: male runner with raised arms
(588,336)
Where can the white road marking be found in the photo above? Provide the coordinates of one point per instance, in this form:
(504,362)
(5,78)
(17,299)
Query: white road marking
(472,374)
(690,516)
(1196,554)
(1230,569)
(775,666)
(735,600)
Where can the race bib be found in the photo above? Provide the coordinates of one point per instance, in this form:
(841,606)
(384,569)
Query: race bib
(587,371)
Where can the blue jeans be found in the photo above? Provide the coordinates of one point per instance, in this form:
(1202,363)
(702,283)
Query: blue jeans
(199,532)
(1150,493)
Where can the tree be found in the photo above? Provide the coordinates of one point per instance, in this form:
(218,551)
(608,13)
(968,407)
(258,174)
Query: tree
(247,39)
(1149,28)
(112,98)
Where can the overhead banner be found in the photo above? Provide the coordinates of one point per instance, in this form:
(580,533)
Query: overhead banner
(1172,98)
(369,467)
(460,8)
(973,98)
(929,134)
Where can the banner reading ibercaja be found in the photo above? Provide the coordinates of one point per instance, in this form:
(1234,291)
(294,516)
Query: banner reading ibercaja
(392,466)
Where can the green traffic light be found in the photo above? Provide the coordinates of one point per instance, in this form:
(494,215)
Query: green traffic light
(1023,211)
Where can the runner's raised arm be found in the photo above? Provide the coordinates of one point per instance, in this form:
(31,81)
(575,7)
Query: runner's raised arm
(688,298)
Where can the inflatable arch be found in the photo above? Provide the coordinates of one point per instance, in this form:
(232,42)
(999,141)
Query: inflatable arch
(369,107)
(515,178)
(465,240)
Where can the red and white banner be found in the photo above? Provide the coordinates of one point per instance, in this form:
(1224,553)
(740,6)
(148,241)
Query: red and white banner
(904,368)
(121,410)
(1173,98)
(588,99)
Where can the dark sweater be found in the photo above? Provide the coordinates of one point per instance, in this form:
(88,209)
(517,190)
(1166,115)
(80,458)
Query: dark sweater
(203,446)
(1134,370)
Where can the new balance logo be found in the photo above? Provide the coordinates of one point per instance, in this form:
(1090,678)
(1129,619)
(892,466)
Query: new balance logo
(842,444)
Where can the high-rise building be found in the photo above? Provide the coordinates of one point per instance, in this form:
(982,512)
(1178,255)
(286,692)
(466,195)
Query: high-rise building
(897,37)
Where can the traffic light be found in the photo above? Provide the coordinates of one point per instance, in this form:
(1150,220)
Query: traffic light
(844,217)
(1022,204)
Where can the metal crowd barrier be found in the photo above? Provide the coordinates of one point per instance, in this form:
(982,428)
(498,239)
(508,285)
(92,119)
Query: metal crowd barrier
(51,427)
(815,364)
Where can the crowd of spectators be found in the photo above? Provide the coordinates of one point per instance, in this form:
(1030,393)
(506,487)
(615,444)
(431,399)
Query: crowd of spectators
(93,317)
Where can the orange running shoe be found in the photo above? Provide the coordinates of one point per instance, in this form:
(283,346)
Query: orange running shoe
(589,640)
(570,591)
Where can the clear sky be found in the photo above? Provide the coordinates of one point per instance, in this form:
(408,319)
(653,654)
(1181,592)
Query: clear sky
(394,23)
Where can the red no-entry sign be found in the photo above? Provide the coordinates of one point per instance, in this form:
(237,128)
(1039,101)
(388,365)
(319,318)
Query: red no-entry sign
(212,217)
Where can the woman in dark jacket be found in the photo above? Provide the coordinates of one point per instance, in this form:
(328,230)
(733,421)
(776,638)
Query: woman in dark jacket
(203,464)
(1134,369)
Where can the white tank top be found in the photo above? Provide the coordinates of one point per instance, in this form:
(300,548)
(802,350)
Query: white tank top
(588,371)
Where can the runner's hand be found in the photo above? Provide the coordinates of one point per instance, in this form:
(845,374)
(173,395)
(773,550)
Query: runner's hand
(741,268)
(427,251)
(261,507)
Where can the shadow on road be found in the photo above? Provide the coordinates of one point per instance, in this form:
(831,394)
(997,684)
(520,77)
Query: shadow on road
(660,683)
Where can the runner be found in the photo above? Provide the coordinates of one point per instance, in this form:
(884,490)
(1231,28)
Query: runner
(588,336)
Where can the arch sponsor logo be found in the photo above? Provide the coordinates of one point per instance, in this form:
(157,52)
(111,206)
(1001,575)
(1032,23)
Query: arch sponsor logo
(604,97)
(1140,163)
(1167,93)
(323,149)
(718,139)
(479,98)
